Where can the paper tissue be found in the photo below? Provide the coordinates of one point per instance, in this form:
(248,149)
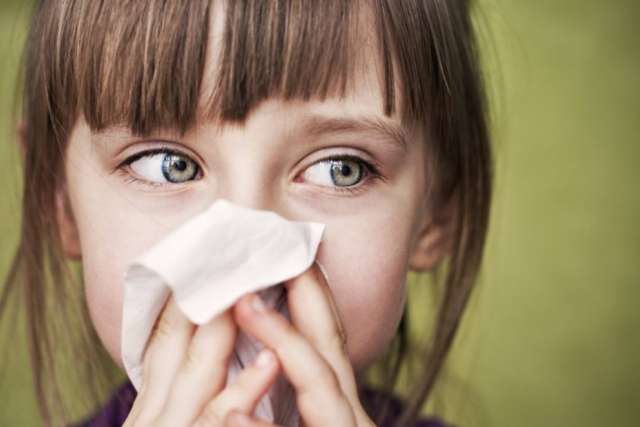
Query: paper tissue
(208,263)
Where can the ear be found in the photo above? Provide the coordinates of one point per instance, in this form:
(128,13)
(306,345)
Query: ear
(69,237)
(435,238)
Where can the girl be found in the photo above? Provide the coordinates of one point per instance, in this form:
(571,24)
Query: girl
(368,116)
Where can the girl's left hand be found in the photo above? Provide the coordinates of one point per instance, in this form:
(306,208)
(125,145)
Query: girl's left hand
(311,351)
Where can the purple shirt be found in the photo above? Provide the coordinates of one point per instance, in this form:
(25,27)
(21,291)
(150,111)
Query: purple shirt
(115,412)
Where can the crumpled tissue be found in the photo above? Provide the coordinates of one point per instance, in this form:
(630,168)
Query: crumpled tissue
(208,263)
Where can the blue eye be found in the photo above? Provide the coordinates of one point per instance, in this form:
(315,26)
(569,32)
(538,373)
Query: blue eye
(164,167)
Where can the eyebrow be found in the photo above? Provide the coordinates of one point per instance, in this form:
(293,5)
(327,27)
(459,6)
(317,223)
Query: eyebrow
(387,132)
(392,133)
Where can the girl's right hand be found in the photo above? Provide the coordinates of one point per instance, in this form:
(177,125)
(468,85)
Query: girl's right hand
(185,371)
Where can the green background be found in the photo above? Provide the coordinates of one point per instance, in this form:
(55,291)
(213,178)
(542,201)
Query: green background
(552,334)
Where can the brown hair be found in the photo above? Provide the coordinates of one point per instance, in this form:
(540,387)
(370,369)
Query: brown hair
(141,64)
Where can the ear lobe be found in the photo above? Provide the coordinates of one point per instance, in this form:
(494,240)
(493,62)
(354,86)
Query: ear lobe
(69,237)
(435,239)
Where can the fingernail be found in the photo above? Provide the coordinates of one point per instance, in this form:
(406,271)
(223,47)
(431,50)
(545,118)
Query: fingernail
(257,304)
(264,359)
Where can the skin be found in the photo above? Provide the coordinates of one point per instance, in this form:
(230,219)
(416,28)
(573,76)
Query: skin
(366,246)
(372,237)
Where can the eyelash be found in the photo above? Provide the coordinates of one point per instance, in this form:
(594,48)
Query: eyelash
(371,172)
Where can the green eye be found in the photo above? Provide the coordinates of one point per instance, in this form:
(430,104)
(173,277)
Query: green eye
(336,172)
(177,168)
(346,173)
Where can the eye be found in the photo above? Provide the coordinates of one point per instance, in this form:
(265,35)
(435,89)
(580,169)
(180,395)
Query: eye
(164,166)
(341,172)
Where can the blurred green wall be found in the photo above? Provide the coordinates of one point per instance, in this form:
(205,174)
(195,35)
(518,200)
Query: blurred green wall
(16,398)
(551,337)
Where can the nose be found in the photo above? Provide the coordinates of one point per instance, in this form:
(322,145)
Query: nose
(250,185)
(249,169)
(251,195)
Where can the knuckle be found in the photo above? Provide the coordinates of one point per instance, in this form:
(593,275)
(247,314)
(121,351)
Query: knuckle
(232,394)
(193,359)
(235,397)
(211,347)
(332,384)
(325,383)
(334,341)
(231,401)
(237,393)
(163,329)
(198,363)
(337,340)
(209,418)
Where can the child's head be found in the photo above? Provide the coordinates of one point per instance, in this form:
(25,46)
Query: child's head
(366,116)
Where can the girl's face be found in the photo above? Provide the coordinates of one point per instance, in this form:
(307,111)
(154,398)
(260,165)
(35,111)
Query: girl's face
(292,157)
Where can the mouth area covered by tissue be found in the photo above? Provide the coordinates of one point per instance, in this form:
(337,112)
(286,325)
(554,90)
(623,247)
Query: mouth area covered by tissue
(208,263)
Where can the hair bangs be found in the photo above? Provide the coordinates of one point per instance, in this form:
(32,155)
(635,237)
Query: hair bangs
(139,64)
(142,64)
(291,50)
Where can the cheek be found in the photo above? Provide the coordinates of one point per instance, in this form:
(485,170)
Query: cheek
(366,262)
(113,232)
(104,300)
(107,251)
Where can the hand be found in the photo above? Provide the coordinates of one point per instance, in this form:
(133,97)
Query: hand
(311,351)
(185,370)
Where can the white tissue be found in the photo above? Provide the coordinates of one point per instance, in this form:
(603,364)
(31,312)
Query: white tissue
(208,263)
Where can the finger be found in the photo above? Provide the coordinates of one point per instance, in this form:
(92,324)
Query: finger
(167,344)
(315,382)
(314,313)
(238,419)
(248,388)
(203,371)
